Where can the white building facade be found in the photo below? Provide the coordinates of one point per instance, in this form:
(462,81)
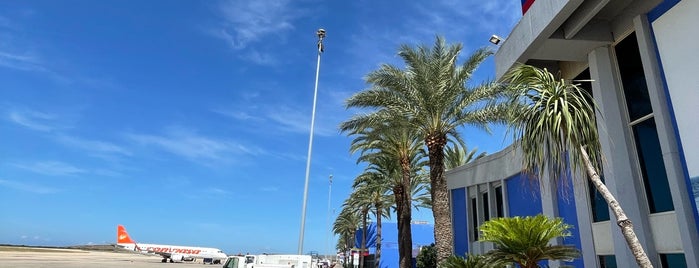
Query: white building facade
(642,58)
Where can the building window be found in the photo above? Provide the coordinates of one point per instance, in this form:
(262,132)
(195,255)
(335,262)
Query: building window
(607,261)
(600,209)
(676,260)
(474,218)
(642,124)
(499,203)
(486,207)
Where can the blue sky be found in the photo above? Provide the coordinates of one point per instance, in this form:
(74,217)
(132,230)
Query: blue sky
(188,121)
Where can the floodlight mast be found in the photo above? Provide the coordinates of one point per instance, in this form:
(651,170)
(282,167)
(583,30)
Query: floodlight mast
(321,35)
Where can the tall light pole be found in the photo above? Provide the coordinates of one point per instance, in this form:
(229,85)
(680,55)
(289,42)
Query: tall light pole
(321,36)
(327,234)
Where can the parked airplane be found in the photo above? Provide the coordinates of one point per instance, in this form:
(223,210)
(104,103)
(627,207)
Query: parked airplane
(168,252)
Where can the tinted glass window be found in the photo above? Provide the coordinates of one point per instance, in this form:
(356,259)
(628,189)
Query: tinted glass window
(486,207)
(607,261)
(500,207)
(645,133)
(652,166)
(673,260)
(474,218)
(600,209)
(632,78)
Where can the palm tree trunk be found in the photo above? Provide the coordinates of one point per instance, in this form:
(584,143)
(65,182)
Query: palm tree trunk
(378,235)
(405,242)
(348,252)
(362,249)
(440,198)
(624,222)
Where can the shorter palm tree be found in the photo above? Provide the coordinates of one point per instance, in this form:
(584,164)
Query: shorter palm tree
(471,261)
(525,240)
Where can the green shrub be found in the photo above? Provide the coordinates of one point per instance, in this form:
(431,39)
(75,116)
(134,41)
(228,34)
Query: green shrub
(427,258)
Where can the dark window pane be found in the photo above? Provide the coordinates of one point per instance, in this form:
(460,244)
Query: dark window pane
(500,207)
(600,209)
(486,207)
(583,81)
(632,78)
(652,166)
(607,261)
(673,260)
(474,218)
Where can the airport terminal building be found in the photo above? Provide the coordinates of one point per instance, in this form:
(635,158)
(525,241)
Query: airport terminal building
(640,61)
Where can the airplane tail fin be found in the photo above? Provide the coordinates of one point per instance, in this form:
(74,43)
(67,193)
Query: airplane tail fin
(123,237)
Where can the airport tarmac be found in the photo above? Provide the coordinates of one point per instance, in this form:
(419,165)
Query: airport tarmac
(69,258)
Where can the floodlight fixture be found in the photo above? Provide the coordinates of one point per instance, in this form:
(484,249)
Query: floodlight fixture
(495,40)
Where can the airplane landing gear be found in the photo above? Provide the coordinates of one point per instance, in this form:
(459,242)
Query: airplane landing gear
(163,260)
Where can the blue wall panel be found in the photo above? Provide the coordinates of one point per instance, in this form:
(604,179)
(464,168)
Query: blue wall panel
(460,221)
(423,235)
(523,196)
(567,211)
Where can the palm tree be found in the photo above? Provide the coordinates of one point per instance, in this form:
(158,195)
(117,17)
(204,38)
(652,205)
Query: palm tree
(393,150)
(471,261)
(377,186)
(361,201)
(432,96)
(557,132)
(345,226)
(456,156)
(525,240)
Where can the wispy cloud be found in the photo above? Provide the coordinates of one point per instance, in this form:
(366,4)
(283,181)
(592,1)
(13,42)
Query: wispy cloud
(247,22)
(52,168)
(23,62)
(286,118)
(35,120)
(260,58)
(269,189)
(193,146)
(26,187)
(458,21)
(95,146)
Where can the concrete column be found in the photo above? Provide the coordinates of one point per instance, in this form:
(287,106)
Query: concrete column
(681,197)
(620,176)
(549,207)
(582,210)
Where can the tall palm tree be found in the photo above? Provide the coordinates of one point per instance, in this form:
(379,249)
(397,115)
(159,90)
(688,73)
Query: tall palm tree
(432,95)
(392,149)
(557,131)
(361,201)
(345,226)
(525,240)
(377,186)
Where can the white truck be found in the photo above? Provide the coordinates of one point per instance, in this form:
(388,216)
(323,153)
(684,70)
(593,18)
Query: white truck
(269,261)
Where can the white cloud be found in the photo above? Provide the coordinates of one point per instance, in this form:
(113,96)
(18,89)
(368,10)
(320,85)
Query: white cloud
(259,58)
(93,145)
(196,147)
(52,168)
(269,189)
(22,62)
(26,187)
(33,119)
(249,21)
(299,121)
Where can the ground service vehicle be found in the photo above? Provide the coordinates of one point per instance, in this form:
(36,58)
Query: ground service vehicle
(269,261)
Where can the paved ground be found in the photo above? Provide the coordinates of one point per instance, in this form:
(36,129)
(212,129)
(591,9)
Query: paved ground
(64,258)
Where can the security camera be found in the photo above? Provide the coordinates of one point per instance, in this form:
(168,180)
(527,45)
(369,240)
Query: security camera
(321,33)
